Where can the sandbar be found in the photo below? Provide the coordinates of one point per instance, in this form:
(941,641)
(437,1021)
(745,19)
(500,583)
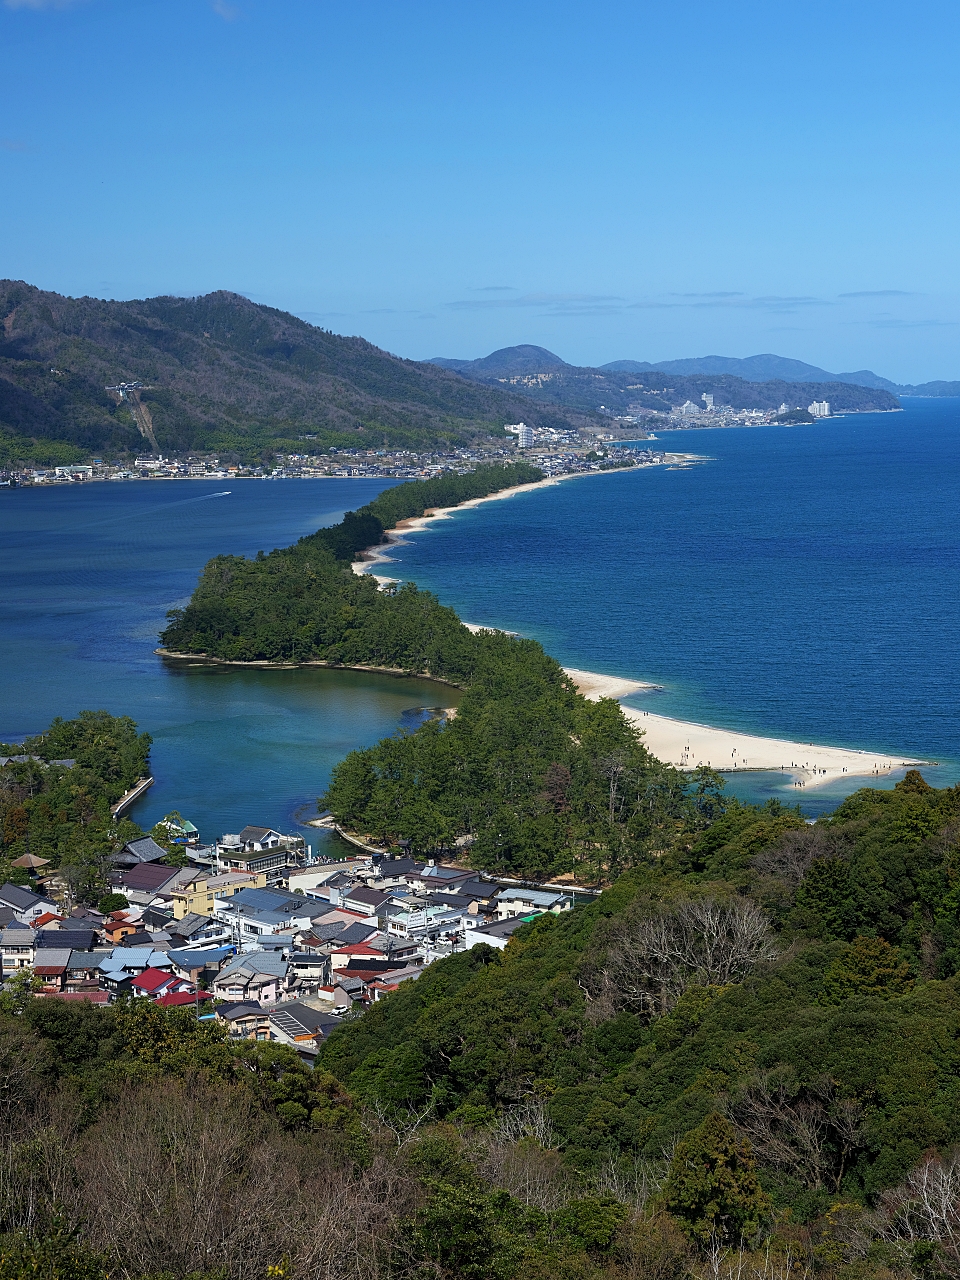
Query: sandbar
(682,743)
(688,745)
(395,537)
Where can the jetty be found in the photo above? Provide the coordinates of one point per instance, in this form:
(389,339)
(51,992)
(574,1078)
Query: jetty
(136,791)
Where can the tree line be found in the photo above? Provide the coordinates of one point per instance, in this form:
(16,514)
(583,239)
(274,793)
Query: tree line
(739,1061)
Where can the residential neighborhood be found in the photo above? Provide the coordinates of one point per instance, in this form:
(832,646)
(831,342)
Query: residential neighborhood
(256,934)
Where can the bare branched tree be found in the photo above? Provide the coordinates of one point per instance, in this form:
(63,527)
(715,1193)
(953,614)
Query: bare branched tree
(526,1119)
(653,960)
(403,1126)
(808,1132)
(635,1183)
(723,1263)
(926,1207)
(793,854)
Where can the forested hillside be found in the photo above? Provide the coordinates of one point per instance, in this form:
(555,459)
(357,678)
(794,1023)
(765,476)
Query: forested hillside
(55,803)
(533,776)
(740,1061)
(220,372)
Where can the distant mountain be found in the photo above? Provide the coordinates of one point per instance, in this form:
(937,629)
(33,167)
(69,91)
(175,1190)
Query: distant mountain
(221,372)
(765,368)
(932,389)
(629,384)
(505,362)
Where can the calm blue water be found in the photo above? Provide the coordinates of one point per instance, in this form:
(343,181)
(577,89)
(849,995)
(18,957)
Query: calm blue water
(86,577)
(805,583)
(802,584)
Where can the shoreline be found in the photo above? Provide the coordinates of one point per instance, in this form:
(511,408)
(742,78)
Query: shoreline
(415,524)
(205,660)
(684,744)
(687,745)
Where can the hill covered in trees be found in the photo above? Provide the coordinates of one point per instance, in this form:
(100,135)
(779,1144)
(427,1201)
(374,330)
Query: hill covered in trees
(544,377)
(739,1061)
(220,372)
(55,801)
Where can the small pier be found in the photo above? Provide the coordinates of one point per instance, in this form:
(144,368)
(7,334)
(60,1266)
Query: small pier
(135,792)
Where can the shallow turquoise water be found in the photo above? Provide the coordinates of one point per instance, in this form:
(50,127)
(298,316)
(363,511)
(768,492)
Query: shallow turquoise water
(86,577)
(803,584)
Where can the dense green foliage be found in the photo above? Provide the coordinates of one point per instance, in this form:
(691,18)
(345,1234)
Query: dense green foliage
(527,771)
(365,528)
(221,373)
(61,812)
(516,1114)
(835,1062)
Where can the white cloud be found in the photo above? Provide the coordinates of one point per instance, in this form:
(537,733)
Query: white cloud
(41,4)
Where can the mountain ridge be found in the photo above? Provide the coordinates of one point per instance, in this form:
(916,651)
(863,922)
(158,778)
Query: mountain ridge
(543,377)
(223,373)
(767,367)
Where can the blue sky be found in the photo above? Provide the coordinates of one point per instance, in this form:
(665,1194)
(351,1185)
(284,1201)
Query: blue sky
(608,180)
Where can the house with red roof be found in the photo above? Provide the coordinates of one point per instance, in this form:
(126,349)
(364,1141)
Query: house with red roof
(177,998)
(156,984)
(341,957)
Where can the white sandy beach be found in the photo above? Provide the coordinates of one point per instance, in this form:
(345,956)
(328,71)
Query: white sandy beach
(677,742)
(688,745)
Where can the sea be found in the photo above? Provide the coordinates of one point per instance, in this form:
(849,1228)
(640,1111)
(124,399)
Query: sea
(799,582)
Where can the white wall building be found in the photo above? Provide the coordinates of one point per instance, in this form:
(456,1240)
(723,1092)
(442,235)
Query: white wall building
(523,433)
(819,408)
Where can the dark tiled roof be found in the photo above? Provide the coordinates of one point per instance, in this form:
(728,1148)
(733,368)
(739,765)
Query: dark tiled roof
(352,933)
(73,939)
(372,897)
(241,1009)
(148,876)
(143,850)
(21,899)
(256,833)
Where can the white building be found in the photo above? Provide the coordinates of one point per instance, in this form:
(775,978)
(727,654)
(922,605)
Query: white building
(707,400)
(523,433)
(819,408)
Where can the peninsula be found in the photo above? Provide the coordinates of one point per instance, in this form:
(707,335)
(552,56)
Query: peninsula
(532,775)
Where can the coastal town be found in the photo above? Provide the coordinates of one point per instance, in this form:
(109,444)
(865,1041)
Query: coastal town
(253,932)
(555,452)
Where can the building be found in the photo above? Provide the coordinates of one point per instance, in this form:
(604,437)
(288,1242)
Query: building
(144,882)
(198,894)
(253,914)
(154,983)
(525,902)
(523,433)
(258,977)
(17,945)
(707,400)
(134,852)
(819,408)
(258,849)
(244,1020)
(302,1027)
(26,906)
